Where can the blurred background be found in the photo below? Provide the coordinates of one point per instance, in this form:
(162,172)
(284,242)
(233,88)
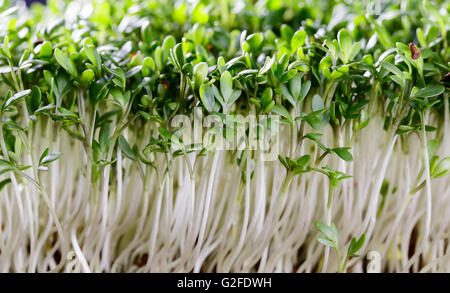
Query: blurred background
(29,2)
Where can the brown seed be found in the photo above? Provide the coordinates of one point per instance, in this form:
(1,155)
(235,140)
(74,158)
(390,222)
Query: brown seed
(446,80)
(165,84)
(211,49)
(38,42)
(415,52)
(141,260)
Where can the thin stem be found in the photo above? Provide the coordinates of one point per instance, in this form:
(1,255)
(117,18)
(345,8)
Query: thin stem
(428,182)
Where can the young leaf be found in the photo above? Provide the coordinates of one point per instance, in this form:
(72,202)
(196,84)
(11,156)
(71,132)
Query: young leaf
(47,159)
(345,43)
(355,245)
(442,168)
(397,72)
(33,101)
(3,183)
(226,85)
(46,50)
(344,154)
(252,42)
(15,98)
(93,56)
(165,133)
(66,62)
(298,40)
(200,73)
(304,91)
(148,66)
(267,65)
(317,103)
(126,149)
(355,50)
(207,97)
(87,76)
(295,85)
(329,231)
(430,91)
(280,110)
(288,95)
(5,50)
(303,160)
(326,241)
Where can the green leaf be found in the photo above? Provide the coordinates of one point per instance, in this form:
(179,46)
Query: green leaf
(5,49)
(199,14)
(87,77)
(430,91)
(33,101)
(288,95)
(326,241)
(384,188)
(432,147)
(46,50)
(442,168)
(50,158)
(315,137)
(97,92)
(93,56)
(283,161)
(126,149)
(354,51)
(148,66)
(18,146)
(363,120)
(119,78)
(329,231)
(234,96)
(3,183)
(267,65)
(305,90)
(421,37)
(253,42)
(344,154)
(317,103)
(179,14)
(179,54)
(355,245)
(393,69)
(200,74)
(295,86)
(280,110)
(298,40)
(339,72)
(221,65)
(168,43)
(165,133)
(66,62)
(15,98)
(226,85)
(345,43)
(47,159)
(286,32)
(207,97)
(303,160)
(103,138)
(314,121)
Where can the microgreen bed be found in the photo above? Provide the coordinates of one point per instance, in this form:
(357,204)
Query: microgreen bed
(96,176)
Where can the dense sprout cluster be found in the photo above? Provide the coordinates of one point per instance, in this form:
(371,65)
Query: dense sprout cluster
(91,179)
